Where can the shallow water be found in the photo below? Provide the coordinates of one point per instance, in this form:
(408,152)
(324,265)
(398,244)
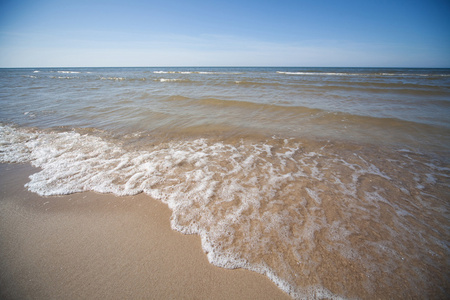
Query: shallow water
(393,106)
(332,182)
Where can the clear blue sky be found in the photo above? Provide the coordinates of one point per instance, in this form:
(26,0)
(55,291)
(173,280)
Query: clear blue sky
(391,33)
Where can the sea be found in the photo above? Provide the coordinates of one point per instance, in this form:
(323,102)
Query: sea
(332,182)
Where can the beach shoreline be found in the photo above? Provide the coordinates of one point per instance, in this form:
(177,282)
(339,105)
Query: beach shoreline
(89,245)
(331,182)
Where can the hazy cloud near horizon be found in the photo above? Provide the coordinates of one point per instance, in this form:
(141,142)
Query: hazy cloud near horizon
(208,33)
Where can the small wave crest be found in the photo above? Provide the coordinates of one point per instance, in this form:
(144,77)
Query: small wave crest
(318,73)
(113,78)
(171,80)
(69,72)
(368,74)
(197,72)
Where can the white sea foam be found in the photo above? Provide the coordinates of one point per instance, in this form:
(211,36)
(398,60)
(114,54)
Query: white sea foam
(319,73)
(168,79)
(197,72)
(68,72)
(247,200)
(219,73)
(172,72)
(113,78)
(361,74)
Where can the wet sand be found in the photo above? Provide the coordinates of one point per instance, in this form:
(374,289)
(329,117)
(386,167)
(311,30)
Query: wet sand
(95,246)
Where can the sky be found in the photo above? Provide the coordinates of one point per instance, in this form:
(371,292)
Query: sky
(314,33)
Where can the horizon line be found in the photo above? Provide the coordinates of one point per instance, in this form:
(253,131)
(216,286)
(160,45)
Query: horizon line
(212,66)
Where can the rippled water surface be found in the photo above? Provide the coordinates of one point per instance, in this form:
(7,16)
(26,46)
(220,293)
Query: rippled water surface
(332,182)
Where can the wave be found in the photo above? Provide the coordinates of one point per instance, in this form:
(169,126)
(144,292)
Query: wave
(117,78)
(414,74)
(238,104)
(173,72)
(290,109)
(374,88)
(323,123)
(63,77)
(311,217)
(198,72)
(319,73)
(113,78)
(256,83)
(314,73)
(69,72)
(172,80)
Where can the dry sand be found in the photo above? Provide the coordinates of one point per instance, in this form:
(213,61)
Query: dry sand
(95,246)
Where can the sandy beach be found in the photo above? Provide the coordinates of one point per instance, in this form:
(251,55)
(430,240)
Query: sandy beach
(95,246)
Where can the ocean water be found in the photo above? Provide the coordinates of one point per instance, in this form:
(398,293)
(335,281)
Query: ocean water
(333,182)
